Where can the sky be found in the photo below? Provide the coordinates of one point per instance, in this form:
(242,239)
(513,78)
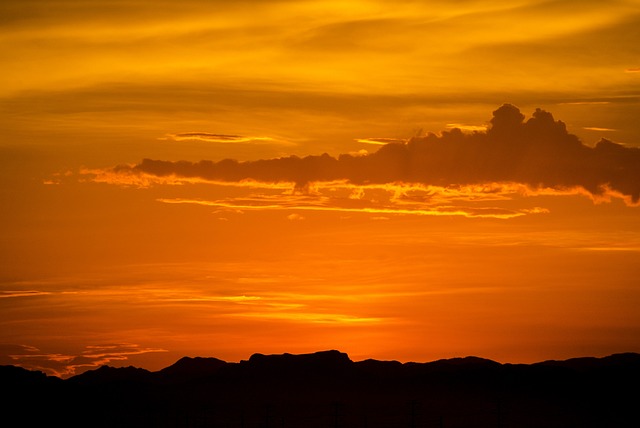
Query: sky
(398,180)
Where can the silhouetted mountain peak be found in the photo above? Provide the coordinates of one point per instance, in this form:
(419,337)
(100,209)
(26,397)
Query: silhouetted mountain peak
(320,357)
(318,363)
(591,363)
(17,375)
(108,374)
(188,367)
(467,361)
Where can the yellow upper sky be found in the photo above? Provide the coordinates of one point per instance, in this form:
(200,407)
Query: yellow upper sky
(105,260)
(314,74)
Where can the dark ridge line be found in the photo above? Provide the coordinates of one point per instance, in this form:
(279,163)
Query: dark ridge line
(190,367)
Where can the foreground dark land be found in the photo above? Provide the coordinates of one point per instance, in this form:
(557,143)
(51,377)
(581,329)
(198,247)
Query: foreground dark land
(327,389)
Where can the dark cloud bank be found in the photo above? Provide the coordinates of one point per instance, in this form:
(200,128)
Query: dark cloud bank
(538,152)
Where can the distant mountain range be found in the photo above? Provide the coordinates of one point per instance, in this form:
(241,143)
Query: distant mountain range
(327,389)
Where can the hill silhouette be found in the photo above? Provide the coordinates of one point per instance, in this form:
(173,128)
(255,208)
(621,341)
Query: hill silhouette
(328,389)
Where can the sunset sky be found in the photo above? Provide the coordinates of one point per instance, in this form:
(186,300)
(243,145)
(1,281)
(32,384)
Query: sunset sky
(408,180)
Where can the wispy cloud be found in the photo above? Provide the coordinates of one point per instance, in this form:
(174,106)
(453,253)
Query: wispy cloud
(124,175)
(421,202)
(470,128)
(314,318)
(200,298)
(282,306)
(218,138)
(593,128)
(597,102)
(21,293)
(65,365)
(380,141)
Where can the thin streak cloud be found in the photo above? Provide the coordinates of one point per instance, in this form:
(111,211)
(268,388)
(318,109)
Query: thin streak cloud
(380,141)
(470,212)
(218,138)
(470,128)
(593,128)
(21,293)
(314,318)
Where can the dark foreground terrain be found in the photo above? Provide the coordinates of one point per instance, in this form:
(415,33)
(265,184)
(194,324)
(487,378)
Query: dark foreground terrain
(327,389)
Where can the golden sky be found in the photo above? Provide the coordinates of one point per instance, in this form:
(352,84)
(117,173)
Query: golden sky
(406,180)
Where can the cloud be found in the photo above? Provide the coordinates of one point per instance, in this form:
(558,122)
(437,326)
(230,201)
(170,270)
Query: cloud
(383,201)
(379,141)
(578,103)
(313,318)
(21,293)
(538,153)
(463,127)
(217,138)
(597,129)
(65,365)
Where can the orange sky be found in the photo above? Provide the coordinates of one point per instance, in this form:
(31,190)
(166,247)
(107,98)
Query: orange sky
(515,238)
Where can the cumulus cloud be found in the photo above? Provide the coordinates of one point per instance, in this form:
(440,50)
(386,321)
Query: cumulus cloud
(538,152)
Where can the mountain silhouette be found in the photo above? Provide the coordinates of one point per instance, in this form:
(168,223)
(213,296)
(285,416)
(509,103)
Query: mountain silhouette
(328,389)
(187,368)
(107,374)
